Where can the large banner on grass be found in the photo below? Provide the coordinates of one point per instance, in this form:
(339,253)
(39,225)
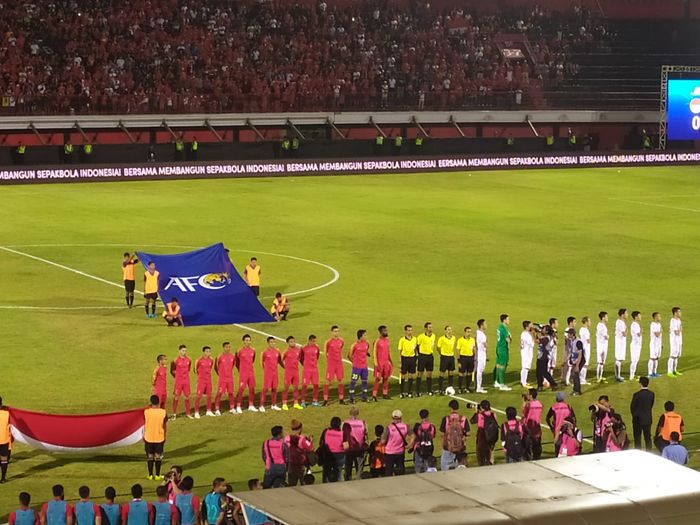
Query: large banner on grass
(207,287)
(59,433)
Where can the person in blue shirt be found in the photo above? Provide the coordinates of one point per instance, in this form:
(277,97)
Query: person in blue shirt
(213,507)
(137,511)
(24,515)
(187,503)
(111,514)
(57,511)
(164,512)
(675,451)
(87,512)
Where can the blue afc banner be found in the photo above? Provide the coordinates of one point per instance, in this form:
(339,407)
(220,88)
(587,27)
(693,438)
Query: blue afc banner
(207,287)
(683,117)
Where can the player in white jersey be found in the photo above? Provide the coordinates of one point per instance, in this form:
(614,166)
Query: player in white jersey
(655,344)
(601,345)
(584,334)
(620,343)
(554,338)
(675,336)
(635,342)
(481,354)
(527,346)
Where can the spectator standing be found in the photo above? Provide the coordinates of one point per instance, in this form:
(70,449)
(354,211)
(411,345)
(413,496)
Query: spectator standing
(512,436)
(376,453)
(674,451)
(273,457)
(423,442)
(299,450)
(20,155)
(556,416)
(67,152)
(486,432)
(669,422)
(532,419)
(354,443)
(394,438)
(179,149)
(640,408)
(454,429)
(332,451)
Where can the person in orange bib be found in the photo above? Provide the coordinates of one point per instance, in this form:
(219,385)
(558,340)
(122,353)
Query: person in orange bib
(129,280)
(5,440)
(155,419)
(172,313)
(280,307)
(252,276)
(150,289)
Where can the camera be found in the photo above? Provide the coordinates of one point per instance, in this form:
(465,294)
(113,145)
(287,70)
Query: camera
(472,405)
(593,408)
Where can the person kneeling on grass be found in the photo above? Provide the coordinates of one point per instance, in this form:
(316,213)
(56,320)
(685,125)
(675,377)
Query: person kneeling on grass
(280,307)
(172,313)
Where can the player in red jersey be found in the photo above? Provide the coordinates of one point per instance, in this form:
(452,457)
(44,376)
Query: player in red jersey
(290,361)
(383,366)
(359,352)
(180,369)
(271,359)
(245,359)
(309,359)
(223,366)
(203,367)
(160,379)
(334,364)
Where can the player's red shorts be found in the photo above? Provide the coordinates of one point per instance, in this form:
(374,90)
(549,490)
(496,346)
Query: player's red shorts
(203,388)
(225,386)
(310,376)
(246,380)
(291,379)
(383,370)
(162,396)
(182,389)
(334,371)
(270,381)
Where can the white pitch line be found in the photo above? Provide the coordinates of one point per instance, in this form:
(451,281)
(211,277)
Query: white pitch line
(20,307)
(654,205)
(241,326)
(336,273)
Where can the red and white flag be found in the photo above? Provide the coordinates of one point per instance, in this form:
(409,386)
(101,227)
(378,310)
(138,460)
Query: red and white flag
(75,434)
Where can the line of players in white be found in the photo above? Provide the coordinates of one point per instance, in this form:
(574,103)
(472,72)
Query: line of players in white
(675,332)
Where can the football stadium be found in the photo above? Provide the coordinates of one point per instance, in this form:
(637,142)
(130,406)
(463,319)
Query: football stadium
(260,258)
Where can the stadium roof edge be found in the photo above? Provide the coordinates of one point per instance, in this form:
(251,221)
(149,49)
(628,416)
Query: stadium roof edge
(630,487)
(323,118)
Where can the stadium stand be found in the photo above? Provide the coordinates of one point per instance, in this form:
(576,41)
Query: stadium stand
(165,56)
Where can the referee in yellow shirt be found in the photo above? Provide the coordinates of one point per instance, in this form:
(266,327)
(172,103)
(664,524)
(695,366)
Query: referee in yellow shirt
(150,289)
(465,349)
(407,351)
(426,359)
(252,276)
(446,347)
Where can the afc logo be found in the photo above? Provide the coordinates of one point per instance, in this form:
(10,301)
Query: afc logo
(210,281)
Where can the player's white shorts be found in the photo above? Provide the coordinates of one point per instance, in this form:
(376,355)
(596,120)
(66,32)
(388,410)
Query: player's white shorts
(676,348)
(553,358)
(654,351)
(526,359)
(480,363)
(635,352)
(602,354)
(620,348)
(587,356)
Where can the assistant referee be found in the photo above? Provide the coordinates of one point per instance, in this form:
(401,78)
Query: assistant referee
(155,419)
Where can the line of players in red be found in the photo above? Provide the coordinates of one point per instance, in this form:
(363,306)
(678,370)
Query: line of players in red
(243,361)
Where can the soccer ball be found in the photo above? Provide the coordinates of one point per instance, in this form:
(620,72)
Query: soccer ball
(450,391)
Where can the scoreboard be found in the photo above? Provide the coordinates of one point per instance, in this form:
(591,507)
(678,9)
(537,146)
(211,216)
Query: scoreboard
(683,117)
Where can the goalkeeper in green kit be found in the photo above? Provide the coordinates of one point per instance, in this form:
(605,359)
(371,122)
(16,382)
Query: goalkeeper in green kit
(502,342)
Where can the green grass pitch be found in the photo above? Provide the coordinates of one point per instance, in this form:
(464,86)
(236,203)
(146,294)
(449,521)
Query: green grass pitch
(448,247)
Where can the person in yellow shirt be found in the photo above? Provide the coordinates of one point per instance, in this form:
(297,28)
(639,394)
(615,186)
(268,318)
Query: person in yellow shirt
(280,307)
(252,273)
(155,419)
(5,441)
(150,289)
(446,347)
(172,313)
(426,359)
(407,351)
(465,350)
(129,280)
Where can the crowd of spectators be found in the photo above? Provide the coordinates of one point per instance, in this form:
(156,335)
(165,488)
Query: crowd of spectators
(98,56)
